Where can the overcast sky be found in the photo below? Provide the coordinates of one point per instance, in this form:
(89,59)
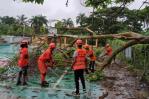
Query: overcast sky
(53,9)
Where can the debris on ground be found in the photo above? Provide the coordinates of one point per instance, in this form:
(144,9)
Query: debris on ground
(122,84)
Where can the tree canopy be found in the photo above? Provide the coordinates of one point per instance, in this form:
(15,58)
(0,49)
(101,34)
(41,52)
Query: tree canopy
(108,16)
(34,1)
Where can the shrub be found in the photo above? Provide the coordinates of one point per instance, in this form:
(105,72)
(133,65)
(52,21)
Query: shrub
(96,76)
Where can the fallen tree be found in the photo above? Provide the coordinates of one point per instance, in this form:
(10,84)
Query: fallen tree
(126,36)
(139,40)
(133,39)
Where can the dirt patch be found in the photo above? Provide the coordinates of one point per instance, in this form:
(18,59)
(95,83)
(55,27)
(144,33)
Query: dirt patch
(122,84)
(3,63)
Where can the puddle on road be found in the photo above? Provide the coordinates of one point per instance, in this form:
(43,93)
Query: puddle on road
(62,90)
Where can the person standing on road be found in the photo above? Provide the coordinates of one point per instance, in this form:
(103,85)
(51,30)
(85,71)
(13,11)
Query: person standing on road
(79,65)
(90,54)
(23,63)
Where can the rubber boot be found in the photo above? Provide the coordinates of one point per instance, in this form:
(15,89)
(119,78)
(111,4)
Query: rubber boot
(44,84)
(24,80)
(84,91)
(19,79)
(74,93)
(18,83)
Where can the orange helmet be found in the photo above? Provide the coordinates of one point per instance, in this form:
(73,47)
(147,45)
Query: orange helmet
(79,42)
(107,45)
(24,42)
(86,46)
(52,45)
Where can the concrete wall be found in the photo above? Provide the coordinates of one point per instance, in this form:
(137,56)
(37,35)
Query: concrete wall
(15,39)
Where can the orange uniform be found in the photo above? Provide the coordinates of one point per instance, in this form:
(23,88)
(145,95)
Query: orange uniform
(80,58)
(23,63)
(46,56)
(23,60)
(79,65)
(91,55)
(42,63)
(109,51)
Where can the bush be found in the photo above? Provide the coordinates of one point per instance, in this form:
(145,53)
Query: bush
(98,51)
(96,76)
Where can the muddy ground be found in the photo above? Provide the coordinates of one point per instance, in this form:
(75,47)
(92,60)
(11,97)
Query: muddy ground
(123,84)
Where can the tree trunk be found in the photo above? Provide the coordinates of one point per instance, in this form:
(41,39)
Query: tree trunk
(126,35)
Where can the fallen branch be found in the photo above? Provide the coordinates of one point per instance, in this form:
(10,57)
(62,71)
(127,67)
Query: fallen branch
(89,30)
(142,40)
(126,36)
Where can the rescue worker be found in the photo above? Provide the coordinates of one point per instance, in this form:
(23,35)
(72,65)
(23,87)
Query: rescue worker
(108,50)
(79,65)
(43,63)
(23,63)
(107,53)
(90,54)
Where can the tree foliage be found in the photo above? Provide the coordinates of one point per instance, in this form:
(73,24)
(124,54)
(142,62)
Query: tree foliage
(98,4)
(80,19)
(108,18)
(8,20)
(101,4)
(34,1)
(21,25)
(68,22)
(38,22)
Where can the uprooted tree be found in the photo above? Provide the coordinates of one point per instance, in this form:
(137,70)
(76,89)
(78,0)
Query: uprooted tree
(141,40)
(131,37)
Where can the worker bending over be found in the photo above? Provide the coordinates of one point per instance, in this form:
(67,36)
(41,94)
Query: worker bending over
(43,63)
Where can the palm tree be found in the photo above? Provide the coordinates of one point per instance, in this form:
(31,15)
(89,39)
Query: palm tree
(68,22)
(81,19)
(37,22)
(34,1)
(22,20)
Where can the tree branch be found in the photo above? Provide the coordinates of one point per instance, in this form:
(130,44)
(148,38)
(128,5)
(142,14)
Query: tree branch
(143,40)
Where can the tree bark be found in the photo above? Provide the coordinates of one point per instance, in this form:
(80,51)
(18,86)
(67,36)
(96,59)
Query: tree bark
(126,36)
